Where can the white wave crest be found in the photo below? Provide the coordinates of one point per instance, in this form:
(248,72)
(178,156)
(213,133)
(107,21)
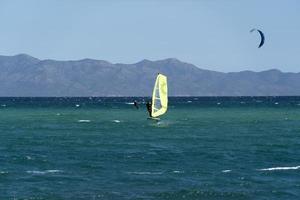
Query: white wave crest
(145,173)
(28,157)
(44,172)
(279,168)
(226,170)
(84,121)
(178,172)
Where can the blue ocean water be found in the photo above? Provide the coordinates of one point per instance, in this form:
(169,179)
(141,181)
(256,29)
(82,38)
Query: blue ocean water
(104,148)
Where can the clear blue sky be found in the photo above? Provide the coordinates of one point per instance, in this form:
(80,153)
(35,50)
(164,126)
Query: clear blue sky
(212,34)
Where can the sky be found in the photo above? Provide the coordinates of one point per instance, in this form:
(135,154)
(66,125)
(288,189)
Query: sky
(211,34)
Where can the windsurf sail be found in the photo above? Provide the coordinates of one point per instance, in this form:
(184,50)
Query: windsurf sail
(159,96)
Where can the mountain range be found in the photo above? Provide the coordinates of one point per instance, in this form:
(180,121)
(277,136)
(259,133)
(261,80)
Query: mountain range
(23,75)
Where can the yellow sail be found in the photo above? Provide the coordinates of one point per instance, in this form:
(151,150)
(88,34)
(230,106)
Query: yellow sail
(160,96)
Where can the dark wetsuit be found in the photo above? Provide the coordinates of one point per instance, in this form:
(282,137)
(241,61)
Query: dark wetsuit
(136,105)
(148,105)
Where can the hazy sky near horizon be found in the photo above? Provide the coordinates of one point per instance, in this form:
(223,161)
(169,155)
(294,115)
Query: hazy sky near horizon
(212,34)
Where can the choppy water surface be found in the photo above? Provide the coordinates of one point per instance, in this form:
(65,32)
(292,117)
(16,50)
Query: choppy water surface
(103,148)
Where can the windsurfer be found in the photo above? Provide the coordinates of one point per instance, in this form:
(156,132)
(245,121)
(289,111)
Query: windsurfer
(136,105)
(149,105)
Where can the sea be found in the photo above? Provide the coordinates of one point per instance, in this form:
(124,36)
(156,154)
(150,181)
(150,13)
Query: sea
(105,148)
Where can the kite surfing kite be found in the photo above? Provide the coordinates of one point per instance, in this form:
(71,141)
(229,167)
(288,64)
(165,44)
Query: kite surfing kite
(262,37)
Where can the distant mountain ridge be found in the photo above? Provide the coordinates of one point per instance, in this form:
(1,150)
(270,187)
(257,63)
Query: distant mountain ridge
(24,75)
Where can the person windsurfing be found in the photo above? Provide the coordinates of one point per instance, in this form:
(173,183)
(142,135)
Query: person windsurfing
(149,107)
(135,104)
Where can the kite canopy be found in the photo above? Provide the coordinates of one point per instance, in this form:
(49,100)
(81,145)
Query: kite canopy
(262,37)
